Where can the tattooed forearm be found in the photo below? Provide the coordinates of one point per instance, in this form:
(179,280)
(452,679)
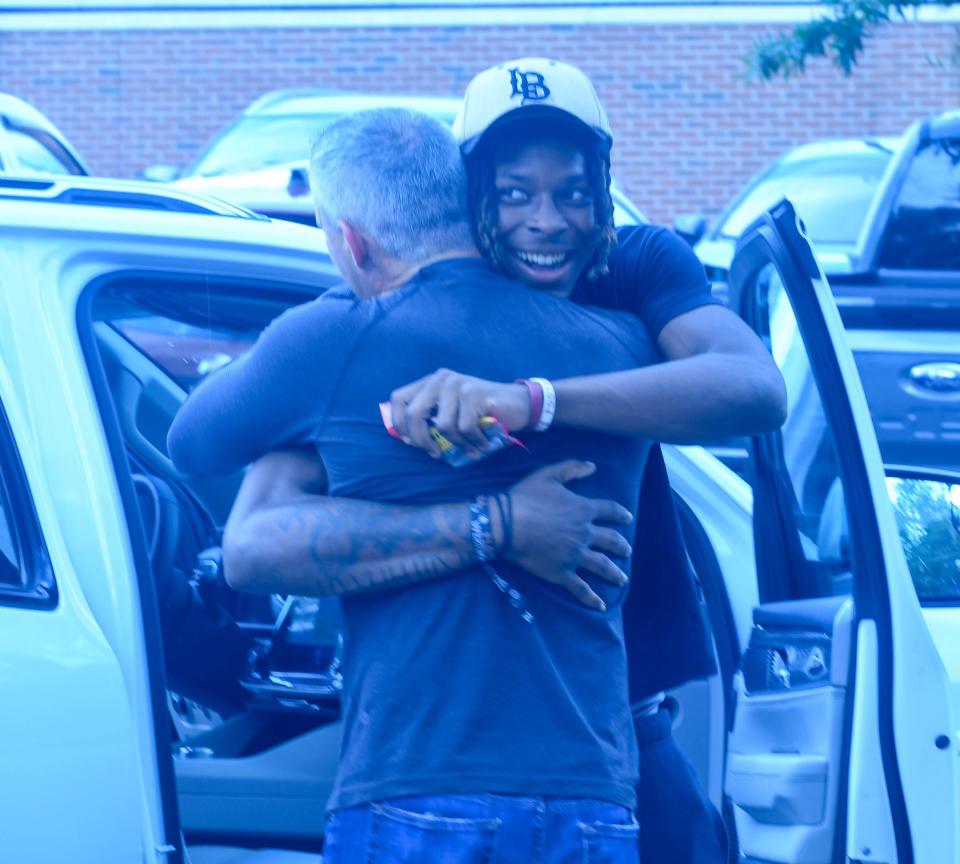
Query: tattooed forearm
(395,573)
(317,545)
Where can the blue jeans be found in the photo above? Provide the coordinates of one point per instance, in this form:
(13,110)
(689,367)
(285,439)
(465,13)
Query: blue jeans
(482,829)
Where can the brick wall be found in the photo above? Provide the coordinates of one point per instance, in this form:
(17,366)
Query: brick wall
(691,129)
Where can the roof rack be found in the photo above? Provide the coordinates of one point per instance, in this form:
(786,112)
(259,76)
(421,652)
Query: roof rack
(97,192)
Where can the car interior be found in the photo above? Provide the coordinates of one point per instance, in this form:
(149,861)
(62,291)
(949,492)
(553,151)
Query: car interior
(253,681)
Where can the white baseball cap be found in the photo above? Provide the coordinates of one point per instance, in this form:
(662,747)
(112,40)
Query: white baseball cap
(524,88)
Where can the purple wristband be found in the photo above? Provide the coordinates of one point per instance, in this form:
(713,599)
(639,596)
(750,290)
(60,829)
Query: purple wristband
(535,391)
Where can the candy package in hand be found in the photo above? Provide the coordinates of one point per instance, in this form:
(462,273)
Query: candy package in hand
(494,431)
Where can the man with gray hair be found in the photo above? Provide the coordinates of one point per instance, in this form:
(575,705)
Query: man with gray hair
(411,211)
(485,712)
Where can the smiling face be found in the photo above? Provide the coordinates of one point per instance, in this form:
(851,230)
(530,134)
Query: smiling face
(547,228)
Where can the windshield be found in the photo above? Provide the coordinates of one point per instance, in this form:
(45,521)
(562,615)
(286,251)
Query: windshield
(262,141)
(924,228)
(830,194)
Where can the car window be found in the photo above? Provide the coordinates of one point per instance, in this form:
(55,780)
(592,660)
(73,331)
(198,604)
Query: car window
(831,195)
(928,516)
(259,142)
(804,482)
(262,141)
(10,573)
(25,574)
(187,353)
(923,232)
(37,150)
(191,328)
(807,457)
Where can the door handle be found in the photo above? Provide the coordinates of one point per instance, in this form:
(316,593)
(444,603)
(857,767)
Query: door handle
(776,662)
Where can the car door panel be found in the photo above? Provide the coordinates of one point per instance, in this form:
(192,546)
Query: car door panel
(785,747)
(280,791)
(830,741)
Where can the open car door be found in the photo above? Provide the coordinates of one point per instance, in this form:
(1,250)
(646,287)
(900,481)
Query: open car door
(844,745)
(81,762)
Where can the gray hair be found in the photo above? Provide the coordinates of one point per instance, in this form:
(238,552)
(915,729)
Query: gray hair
(396,174)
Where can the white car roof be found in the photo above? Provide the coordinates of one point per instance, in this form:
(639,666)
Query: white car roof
(347,102)
(24,112)
(94,205)
(49,219)
(840,147)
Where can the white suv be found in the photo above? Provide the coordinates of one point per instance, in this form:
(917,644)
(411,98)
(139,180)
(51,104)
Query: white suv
(149,712)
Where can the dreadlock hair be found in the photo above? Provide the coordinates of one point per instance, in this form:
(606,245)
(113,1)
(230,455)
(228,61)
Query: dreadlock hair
(482,190)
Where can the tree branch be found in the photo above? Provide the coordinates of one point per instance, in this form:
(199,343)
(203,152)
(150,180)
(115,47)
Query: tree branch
(839,35)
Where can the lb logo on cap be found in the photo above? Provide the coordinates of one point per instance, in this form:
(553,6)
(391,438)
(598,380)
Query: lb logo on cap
(528,85)
(490,101)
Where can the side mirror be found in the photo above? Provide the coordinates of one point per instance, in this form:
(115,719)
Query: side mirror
(299,183)
(161,173)
(927,507)
(691,227)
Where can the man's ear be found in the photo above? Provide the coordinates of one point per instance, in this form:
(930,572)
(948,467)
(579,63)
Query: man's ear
(356,243)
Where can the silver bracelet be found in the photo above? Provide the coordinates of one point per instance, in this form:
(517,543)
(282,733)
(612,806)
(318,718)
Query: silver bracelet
(481,535)
(481,532)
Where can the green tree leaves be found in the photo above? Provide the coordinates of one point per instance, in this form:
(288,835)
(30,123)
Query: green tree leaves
(839,35)
(929,521)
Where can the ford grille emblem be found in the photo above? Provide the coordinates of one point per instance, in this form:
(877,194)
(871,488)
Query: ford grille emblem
(936,377)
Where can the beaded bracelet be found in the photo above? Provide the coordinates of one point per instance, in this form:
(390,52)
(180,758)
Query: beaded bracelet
(481,535)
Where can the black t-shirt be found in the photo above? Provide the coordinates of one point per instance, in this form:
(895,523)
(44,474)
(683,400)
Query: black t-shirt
(655,275)
(447,689)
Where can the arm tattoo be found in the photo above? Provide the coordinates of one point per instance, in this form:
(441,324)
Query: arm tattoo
(341,546)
